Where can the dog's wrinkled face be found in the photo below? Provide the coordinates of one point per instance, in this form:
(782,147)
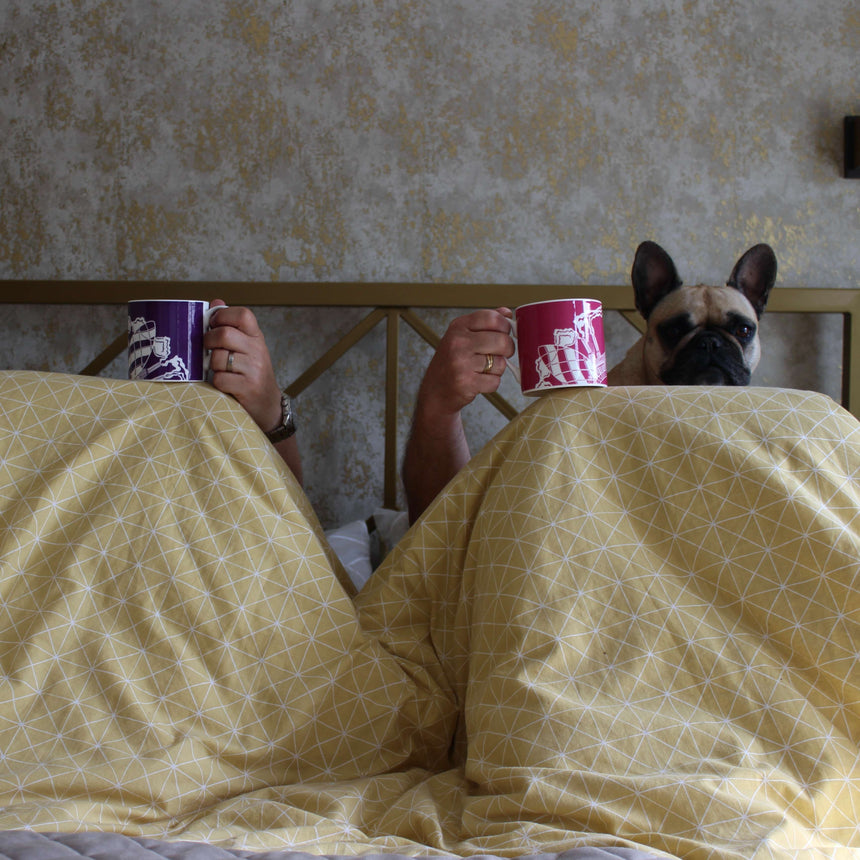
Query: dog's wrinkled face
(701,335)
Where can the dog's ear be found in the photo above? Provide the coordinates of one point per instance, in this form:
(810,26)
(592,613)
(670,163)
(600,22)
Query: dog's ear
(754,275)
(654,276)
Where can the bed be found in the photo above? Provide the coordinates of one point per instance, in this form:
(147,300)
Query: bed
(628,629)
(368,337)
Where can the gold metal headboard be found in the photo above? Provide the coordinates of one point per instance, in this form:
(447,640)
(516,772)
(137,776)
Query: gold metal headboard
(399,302)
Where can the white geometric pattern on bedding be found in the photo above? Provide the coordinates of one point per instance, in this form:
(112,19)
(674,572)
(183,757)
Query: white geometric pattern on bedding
(648,604)
(174,635)
(632,621)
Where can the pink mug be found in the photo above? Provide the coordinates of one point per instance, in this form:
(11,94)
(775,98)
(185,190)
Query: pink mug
(560,345)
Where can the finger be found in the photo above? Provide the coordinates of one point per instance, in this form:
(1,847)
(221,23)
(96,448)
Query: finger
(226,336)
(234,372)
(239,318)
(238,363)
(485,367)
(215,305)
(228,333)
(487,383)
(226,361)
(229,383)
(493,343)
(488,320)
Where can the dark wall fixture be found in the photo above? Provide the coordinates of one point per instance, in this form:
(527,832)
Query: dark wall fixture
(852,147)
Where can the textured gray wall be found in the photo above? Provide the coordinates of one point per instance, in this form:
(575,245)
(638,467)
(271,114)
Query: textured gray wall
(481,141)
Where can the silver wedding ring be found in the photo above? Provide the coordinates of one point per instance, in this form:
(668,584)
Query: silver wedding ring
(488,363)
(229,362)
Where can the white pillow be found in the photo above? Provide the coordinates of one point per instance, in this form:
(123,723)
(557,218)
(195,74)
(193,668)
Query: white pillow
(360,552)
(391,526)
(351,544)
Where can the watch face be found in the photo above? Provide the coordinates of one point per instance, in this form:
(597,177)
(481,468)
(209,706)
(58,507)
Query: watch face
(286,412)
(287,426)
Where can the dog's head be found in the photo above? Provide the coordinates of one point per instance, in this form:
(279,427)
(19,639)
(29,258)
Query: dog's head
(701,335)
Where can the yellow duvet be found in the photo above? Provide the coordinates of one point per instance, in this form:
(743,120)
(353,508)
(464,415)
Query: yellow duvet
(633,620)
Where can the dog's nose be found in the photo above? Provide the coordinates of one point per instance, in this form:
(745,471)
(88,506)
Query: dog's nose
(708,341)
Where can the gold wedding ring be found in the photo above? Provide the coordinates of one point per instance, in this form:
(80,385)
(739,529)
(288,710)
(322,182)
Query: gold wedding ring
(229,362)
(488,363)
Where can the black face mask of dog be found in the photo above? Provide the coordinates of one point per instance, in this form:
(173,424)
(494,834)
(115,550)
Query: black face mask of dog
(697,335)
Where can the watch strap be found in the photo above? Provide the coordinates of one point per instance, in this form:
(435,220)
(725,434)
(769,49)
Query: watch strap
(287,427)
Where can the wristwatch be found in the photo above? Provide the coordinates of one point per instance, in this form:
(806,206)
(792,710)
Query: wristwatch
(287,426)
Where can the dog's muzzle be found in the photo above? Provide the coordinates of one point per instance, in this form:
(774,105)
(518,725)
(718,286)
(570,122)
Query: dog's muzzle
(709,358)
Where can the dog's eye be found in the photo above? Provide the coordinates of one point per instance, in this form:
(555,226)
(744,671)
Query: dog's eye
(672,331)
(743,332)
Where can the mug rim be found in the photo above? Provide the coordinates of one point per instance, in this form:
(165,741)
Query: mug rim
(532,392)
(555,301)
(180,301)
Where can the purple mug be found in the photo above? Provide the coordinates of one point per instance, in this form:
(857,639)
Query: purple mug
(165,339)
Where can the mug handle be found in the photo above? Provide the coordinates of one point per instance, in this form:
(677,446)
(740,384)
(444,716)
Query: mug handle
(208,313)
(513,363)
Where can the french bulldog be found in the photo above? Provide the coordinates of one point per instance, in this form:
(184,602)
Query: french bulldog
(696,335)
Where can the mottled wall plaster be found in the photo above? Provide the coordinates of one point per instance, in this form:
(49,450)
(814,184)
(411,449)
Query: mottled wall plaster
(491,142)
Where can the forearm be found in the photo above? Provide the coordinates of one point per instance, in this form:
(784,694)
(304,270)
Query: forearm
(435,451)
(459,371)
(242,367)
(289,451)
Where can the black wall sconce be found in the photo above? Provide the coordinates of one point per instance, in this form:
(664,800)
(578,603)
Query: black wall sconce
(852,147)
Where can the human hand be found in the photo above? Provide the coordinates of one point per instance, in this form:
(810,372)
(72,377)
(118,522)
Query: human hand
(470,360)
(241,364)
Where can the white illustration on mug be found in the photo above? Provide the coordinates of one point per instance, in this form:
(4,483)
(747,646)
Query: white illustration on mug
(143,344)
(575,357)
